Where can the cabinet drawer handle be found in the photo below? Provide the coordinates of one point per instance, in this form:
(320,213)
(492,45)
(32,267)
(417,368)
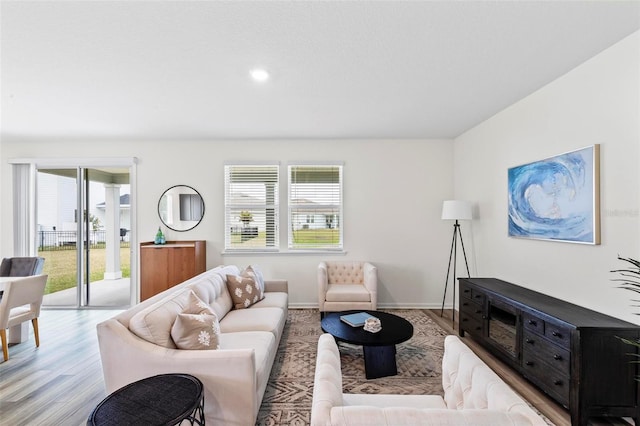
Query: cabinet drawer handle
(530,341)
(478,311)
(478,328)
(532,322)
(556,334)
(557,357)
(529,363)
(465,304)
(558,382)
(478,296)
(465,319)
(466,290)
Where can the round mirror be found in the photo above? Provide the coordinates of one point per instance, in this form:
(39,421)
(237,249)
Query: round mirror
(181,208)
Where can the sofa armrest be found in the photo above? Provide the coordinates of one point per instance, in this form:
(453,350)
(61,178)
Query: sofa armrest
(228,376)
(370,273)
(323,285)
(281,286)
(327,384)
(469,383)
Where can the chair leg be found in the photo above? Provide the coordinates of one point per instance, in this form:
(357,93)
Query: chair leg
(35,331)
(5,348)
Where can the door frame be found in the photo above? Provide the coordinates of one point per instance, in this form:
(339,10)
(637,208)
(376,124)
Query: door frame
(71,163)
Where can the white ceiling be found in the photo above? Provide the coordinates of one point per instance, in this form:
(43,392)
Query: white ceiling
(89,70)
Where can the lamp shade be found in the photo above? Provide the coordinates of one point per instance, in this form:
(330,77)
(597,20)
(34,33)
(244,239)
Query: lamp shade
(456,210)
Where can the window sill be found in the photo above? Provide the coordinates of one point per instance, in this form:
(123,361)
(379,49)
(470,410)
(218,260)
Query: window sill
(282,253)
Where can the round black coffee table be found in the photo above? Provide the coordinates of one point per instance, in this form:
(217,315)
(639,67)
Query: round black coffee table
(166,399)
(379,348)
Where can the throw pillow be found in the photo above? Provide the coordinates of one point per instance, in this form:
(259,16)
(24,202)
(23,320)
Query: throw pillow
(254,272)
(244,291)
(197,326)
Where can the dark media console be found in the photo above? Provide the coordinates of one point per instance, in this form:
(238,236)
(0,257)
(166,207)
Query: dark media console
(573,354)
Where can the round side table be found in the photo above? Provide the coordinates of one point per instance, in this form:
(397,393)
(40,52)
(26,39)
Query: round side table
(166,399)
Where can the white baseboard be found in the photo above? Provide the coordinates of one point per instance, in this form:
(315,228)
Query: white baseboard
(304,305)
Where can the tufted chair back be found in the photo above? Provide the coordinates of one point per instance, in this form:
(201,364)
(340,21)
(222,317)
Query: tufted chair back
(347,285)
(345,272)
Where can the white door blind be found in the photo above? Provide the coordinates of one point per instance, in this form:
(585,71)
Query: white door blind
(251,207)
(315,207)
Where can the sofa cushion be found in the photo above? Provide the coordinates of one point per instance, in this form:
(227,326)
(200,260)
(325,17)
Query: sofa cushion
(154,322)
(263,343)
(347,293)
(254,319)
(273,300)
(196,327)
(244,291)
(403,416)
(387,400)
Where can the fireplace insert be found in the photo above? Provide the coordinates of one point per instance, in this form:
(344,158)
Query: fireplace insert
(503,328)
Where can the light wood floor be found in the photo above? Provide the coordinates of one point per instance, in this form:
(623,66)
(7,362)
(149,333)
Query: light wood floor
(61,382)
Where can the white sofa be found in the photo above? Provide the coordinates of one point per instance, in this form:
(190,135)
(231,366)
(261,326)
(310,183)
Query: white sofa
(473,395)
(235,376)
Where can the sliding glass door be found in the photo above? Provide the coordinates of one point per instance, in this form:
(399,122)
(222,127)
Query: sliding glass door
(84,230)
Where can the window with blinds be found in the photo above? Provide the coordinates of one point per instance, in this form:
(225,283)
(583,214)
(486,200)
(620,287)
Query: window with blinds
(315,207)
(251,207)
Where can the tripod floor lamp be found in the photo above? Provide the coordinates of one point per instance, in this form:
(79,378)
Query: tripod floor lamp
(455,210)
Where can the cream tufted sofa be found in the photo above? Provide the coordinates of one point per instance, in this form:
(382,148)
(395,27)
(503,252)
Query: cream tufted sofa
(473,395)
(345,285)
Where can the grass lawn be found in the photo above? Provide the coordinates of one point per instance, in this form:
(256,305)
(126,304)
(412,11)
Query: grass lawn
(60,265)
(311,237)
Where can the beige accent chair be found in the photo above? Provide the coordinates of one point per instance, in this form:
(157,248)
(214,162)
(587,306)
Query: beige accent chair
(21,301)
(347,285)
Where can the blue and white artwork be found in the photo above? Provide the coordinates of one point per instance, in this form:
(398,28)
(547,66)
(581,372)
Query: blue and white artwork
(556,198)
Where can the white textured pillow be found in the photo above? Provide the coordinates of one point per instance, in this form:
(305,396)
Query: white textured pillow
(196,327)
(244,291)
(254,272)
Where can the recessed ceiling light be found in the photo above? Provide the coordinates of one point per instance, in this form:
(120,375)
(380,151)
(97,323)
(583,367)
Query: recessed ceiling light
(259,74)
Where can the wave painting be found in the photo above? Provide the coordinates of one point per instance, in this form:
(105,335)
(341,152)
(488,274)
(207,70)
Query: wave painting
(555,198)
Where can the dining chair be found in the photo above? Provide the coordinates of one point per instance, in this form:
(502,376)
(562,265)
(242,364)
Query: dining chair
(21,301)
(21,266)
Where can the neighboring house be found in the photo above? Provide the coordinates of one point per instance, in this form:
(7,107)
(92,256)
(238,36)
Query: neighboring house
(125,212)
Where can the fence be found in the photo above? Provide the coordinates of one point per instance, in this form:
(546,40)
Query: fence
(66,240)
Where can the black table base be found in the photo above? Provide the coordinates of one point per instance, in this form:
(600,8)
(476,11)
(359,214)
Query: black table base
(380,361)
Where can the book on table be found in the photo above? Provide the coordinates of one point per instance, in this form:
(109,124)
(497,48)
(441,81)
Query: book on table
(357,319)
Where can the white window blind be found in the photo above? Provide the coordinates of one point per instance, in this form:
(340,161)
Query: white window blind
(251,207)
(315,207)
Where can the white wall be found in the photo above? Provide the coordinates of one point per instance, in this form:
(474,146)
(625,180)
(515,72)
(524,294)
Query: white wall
(393,192)
(596,103)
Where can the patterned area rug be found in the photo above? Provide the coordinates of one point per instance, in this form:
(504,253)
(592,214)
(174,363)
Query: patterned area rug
(287,399)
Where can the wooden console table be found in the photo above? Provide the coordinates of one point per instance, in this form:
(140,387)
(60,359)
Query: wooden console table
(573,354)
(164,265)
